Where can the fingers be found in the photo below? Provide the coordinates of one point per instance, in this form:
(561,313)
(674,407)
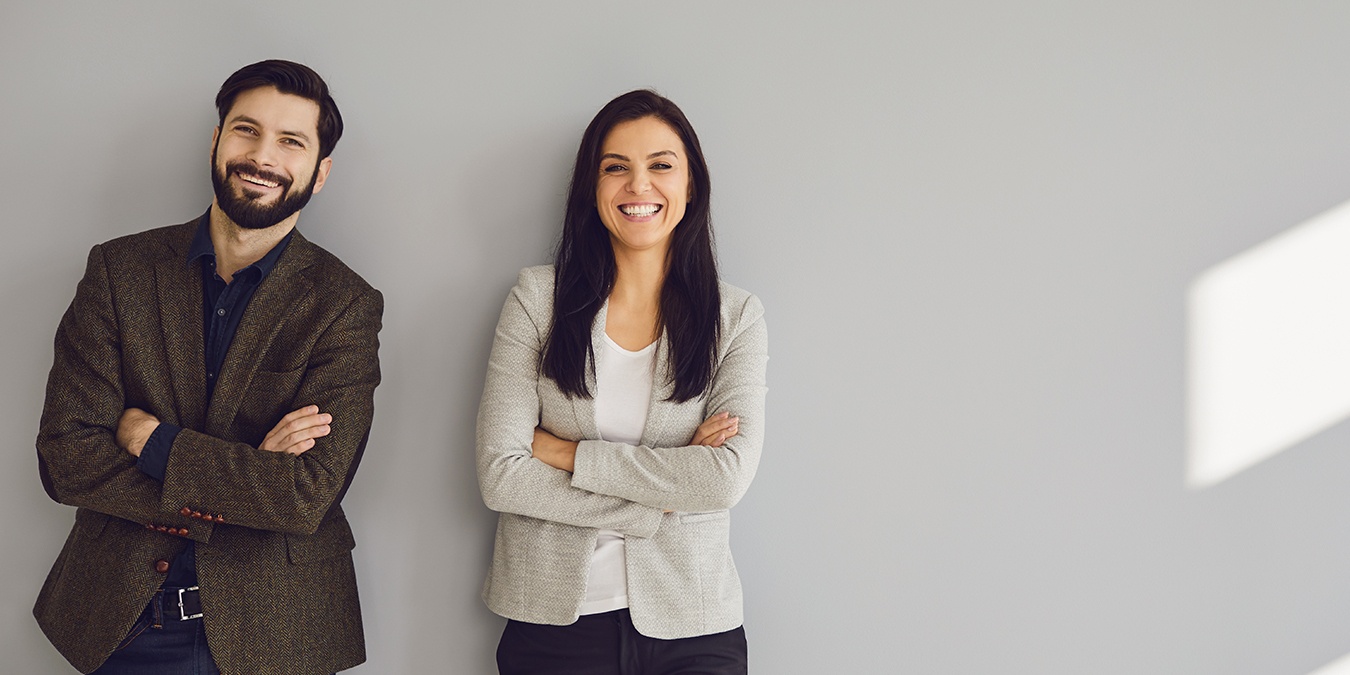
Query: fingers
(295,415)
(302,440)
(717,429)
(297,431)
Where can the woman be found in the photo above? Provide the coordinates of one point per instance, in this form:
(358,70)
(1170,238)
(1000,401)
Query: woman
(622,417)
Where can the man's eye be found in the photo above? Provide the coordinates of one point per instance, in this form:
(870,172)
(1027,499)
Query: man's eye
(292,141)
(246,130)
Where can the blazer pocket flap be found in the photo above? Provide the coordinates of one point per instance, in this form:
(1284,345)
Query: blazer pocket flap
(270,379)
(267,392)
(686,518)
(91,523)
(333,538)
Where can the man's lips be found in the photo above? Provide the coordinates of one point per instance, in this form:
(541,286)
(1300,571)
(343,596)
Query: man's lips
(259,181)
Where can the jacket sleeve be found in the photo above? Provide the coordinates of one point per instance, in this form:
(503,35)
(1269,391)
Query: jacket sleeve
(78,458)
(511,480)
(695,477)
(242,485)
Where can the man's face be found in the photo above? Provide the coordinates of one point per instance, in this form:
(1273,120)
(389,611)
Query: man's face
(265,157)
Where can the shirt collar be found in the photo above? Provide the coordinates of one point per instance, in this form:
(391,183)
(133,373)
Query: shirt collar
(203,248)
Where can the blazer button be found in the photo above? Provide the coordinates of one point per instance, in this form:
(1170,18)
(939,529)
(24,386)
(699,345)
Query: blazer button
(162,566)
(185,511)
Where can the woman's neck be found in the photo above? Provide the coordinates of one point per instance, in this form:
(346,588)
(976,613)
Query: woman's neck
(635,300)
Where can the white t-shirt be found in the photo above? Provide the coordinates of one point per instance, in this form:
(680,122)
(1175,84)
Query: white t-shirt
(623,391)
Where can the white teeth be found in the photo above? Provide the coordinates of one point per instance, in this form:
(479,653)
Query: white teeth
(258,181)
(640,210)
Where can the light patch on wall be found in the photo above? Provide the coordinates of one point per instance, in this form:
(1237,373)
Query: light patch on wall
(1269,349)
(1340,666)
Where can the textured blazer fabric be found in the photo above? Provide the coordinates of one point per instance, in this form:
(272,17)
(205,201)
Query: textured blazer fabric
(681,579)
(273,547)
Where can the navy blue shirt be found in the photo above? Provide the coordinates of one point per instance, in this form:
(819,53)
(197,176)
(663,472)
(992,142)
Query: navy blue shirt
(223,305)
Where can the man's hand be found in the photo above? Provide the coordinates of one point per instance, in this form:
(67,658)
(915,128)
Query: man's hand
(134,429)
(554,451)
(295,433)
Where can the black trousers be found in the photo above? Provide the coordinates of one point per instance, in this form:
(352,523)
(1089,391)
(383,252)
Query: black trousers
(607,644)
(160,643)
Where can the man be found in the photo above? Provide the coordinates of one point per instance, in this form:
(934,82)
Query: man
(208,405)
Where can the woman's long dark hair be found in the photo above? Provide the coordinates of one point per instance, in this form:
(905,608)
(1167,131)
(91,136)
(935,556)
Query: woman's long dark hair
(584,266)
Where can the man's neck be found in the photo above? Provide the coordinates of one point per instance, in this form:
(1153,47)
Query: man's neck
(237,247)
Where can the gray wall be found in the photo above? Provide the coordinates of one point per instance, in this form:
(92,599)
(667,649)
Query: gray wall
(973,226)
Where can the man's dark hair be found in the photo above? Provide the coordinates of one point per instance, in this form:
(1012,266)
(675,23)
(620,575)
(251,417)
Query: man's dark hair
(289,78)
(585,268)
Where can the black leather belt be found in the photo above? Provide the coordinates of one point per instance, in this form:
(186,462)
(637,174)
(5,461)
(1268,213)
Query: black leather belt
(181,604)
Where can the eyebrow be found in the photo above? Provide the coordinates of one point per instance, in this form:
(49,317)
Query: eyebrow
(621,158)
(249,120)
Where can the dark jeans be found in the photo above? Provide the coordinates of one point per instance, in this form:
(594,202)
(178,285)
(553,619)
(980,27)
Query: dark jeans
(607,644)
(160,644)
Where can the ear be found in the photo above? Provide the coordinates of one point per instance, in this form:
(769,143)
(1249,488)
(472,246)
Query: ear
(215,136)
(325,165)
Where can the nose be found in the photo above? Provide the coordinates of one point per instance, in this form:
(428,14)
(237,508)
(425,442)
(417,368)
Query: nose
(262,153)
(639,182)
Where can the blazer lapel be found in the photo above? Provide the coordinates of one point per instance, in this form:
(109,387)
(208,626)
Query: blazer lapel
(584,407)
(178,292)
(257,330)
(663,385)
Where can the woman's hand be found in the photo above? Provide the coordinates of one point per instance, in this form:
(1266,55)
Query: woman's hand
(554,451)
(716,430)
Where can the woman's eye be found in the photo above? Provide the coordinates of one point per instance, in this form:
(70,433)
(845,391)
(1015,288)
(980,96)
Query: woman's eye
(660,166)
(612,168)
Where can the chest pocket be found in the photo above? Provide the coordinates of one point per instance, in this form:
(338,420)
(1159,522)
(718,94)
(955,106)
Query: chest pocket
(269,396)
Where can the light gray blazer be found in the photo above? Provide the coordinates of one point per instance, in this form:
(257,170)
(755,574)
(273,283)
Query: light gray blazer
(681,579)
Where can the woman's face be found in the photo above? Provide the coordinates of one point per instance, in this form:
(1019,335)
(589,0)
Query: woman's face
(643,187)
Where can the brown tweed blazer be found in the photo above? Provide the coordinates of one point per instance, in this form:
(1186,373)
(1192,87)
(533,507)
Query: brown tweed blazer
(274,563)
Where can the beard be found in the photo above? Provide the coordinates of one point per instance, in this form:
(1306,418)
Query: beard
(245,209)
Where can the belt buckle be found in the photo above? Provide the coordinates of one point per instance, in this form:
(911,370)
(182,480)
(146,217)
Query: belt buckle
(182,611)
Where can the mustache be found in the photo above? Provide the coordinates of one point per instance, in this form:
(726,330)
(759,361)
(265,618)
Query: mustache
(241,166)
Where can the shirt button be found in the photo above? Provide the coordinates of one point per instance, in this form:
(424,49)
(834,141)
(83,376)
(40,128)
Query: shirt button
(220,312)
(162,566)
